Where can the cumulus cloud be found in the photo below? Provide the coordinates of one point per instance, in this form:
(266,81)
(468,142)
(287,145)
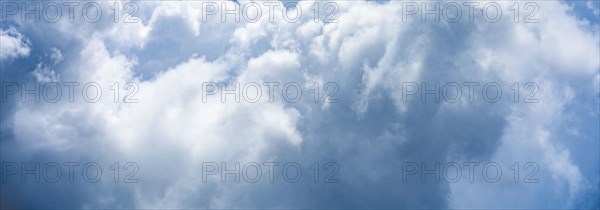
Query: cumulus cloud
(165,58)
(14,44)
(43,74)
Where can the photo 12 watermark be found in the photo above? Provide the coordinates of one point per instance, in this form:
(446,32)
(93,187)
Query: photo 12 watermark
(54,92)
(469,91)
(69,172)
(254,92)
(468,11)
(71,11)
(453,172)
(256,172)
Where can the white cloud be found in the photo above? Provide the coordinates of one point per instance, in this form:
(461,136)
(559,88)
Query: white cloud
(44,74)
(56,56)
(13,44)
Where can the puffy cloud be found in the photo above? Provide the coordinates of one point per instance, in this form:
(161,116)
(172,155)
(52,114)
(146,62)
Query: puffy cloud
(165,59)
(43,74)
(14,44)
(56,56)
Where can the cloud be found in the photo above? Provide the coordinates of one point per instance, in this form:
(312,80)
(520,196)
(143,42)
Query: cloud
(14,44)
(164,59)
(56,56)
(43,74)
(593,6)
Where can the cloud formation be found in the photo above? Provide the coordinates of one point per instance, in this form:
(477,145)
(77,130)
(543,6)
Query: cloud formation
(373,129)
(14,44)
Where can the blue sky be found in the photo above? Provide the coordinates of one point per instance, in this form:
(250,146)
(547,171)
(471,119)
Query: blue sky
(366,138)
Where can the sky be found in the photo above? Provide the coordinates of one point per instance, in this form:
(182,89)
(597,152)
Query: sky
(300,104)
